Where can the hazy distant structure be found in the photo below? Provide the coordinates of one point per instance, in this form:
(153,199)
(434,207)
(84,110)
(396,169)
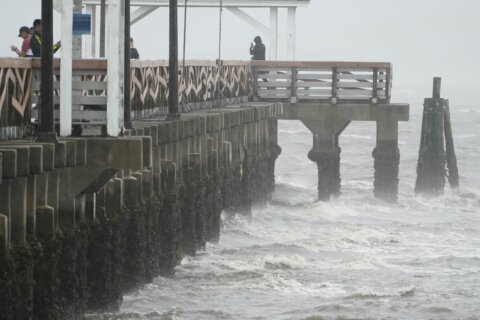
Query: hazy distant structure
(269,31)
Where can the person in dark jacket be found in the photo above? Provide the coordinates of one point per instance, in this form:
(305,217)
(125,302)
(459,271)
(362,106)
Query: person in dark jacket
(36,41)
(257,51)
(133,51)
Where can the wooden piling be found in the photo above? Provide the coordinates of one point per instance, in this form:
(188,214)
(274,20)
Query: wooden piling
(451,157)
(436,146)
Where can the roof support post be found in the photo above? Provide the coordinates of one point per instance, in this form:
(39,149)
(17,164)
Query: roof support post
(127,123)
(173,62)
(115,66)
(103,6)
(92,9)
(66,69)
(47,114)
(273,33)
(77,40)
(292,32)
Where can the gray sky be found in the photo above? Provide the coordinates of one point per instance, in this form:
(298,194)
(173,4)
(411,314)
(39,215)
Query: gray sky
(422,38)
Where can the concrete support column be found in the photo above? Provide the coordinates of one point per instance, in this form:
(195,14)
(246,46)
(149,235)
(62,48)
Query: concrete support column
(53,195)
(92,9)
(45,215)
(77,40)
(31,205)
(328,165)
(326,154)
(169,176)
(157,169)
(18,210)
(147,184)
(140,194)
(5,208)
(4,243)
(131,196)
(114,197)
(387,159)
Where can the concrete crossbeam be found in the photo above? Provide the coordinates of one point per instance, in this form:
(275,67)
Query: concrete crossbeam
(347,112)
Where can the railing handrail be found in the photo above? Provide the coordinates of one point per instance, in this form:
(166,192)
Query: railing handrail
(205,83)
(24,63)
(101,64)
(320,64)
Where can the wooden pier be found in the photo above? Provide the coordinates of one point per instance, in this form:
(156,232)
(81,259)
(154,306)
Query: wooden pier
(326,97)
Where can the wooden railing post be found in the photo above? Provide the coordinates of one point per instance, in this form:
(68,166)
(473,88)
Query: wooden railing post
(388,84)
(333,99)
(375,86)
(255,83)
(293,86)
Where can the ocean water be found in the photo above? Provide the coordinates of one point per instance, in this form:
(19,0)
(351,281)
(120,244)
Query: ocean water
(352,258)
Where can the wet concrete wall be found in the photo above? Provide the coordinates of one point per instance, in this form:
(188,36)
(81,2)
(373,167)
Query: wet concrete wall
(92,218)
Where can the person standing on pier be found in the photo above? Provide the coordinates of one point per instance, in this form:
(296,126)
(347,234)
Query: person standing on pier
(257,51)
(25,34)
(133,51)
(36,41)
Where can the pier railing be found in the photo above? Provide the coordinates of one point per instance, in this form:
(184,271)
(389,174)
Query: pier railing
(15,93)
(203,84)
(89,86)
(322,81)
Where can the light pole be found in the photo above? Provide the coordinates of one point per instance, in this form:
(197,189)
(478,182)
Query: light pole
(127,122)
(173,63)
(47,114)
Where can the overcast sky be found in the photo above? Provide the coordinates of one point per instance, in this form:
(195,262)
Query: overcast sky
(422,38)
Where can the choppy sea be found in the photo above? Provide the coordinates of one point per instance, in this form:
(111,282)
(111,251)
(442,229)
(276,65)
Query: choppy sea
(352,258)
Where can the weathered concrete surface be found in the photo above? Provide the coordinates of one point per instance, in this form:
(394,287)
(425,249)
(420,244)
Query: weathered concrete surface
(345,112)
(92,218)
(387,159)
(326,154)
(326,121)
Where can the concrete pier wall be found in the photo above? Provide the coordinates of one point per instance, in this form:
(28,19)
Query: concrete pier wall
(84,220)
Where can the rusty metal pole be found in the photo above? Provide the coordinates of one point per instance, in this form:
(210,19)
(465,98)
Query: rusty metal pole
(47,114)
(127,121)
(173,62)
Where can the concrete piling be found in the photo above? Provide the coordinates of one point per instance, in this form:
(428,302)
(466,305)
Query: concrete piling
(386,159)
(451,158)
(18,211)
(326,154)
